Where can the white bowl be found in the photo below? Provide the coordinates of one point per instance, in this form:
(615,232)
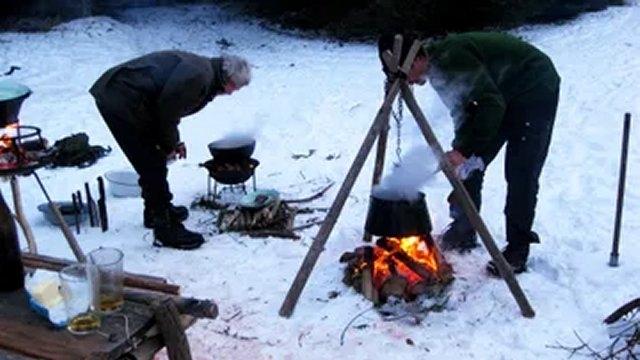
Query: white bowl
(123,183)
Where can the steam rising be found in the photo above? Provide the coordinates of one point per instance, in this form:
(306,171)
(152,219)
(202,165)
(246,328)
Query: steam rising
(417,167)
(235,140)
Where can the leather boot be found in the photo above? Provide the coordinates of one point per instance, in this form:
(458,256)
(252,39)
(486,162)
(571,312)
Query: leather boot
(516,255)
(173,234)
(459,236)
(177,214)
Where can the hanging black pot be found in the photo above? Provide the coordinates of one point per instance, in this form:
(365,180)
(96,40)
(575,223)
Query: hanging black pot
(12,95)
(398,217)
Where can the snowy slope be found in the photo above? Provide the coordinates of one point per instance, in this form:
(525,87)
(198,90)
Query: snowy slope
(312,94)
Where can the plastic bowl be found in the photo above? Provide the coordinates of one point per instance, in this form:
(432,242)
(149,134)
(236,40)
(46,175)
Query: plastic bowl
(123,183)
(66,209)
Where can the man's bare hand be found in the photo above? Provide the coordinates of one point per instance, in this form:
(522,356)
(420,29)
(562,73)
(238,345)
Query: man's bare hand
(455,158)
(172,156)
(181,151)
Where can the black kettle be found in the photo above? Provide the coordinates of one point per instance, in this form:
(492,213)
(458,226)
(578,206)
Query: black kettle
(398,217)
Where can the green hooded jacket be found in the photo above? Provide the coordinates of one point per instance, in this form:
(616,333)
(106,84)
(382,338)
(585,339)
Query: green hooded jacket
(478,74)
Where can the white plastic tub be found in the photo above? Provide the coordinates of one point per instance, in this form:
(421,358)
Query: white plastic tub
(123,183)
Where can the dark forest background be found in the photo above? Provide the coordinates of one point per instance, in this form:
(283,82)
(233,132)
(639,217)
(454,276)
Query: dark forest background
(343,19)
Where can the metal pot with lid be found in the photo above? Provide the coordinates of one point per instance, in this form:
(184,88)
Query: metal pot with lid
(12,94)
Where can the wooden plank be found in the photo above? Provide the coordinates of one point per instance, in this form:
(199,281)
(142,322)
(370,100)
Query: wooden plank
(168,320)
(5,355)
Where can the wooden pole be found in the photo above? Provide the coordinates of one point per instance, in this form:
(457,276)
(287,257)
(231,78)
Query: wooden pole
(380,156)
(381,150)
(199,309)
(19,215)
(68,234)
(463,198)
(317,246)
(151,283)
(168,321)
(613,259)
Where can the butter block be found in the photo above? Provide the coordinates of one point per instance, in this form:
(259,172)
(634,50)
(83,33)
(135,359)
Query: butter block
(47,293)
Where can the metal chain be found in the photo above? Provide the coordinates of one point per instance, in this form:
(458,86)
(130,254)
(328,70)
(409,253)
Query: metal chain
(398,117)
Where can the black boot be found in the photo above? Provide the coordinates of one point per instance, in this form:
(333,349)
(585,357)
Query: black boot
(173,234)
(459,236)
(516,255)
(177,214)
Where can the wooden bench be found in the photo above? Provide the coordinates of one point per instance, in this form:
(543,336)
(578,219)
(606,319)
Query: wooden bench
(154,321)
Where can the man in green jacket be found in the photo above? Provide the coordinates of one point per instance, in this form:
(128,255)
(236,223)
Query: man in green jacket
(142,102)
(499,89)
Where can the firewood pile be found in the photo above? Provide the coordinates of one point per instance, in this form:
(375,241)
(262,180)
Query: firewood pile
(275,219)
(400,267)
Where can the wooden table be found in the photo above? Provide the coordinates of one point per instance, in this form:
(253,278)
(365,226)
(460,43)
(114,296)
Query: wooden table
(25,335)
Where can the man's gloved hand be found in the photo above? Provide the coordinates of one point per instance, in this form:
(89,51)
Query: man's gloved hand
(181,150)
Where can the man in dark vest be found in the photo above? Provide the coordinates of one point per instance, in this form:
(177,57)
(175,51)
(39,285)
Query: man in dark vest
(499,90)
(142,101)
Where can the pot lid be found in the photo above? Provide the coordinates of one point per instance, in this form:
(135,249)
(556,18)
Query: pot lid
(10,90)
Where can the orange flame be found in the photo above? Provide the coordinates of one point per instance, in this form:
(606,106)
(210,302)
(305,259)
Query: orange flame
(417,248)
(8,132)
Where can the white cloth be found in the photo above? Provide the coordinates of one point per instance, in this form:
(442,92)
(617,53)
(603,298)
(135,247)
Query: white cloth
(470,165)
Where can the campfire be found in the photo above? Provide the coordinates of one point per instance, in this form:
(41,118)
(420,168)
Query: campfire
(405,267)
(405,261)
(21,147)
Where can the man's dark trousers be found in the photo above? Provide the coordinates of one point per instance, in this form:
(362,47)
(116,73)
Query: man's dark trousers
(144,155)
(526,129)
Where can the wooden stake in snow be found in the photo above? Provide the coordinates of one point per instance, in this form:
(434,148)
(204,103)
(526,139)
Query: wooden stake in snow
(613,259)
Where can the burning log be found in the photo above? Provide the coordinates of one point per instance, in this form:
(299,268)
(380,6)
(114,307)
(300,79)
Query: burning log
(367,281)
(402,267)
(398,254)
(395,284)
(418,288)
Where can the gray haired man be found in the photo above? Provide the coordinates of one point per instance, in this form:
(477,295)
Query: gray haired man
(142,102)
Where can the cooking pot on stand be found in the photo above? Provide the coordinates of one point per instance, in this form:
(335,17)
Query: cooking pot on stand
(12,94)
(232,148)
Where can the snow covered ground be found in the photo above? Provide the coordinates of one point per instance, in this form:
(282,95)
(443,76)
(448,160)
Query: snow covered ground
(313,94)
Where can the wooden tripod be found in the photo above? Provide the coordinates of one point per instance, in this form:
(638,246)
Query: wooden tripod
(378,130)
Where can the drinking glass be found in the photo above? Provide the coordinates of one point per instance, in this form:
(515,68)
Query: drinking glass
(77,289)
(109,268)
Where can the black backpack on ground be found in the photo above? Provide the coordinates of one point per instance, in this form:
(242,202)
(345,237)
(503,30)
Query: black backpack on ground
(74,150)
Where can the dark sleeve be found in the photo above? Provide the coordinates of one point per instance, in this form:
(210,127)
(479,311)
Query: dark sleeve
(476,104)
(180,94)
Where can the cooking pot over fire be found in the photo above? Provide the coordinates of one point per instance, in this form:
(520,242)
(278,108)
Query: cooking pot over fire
(12,94)
(391,215)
